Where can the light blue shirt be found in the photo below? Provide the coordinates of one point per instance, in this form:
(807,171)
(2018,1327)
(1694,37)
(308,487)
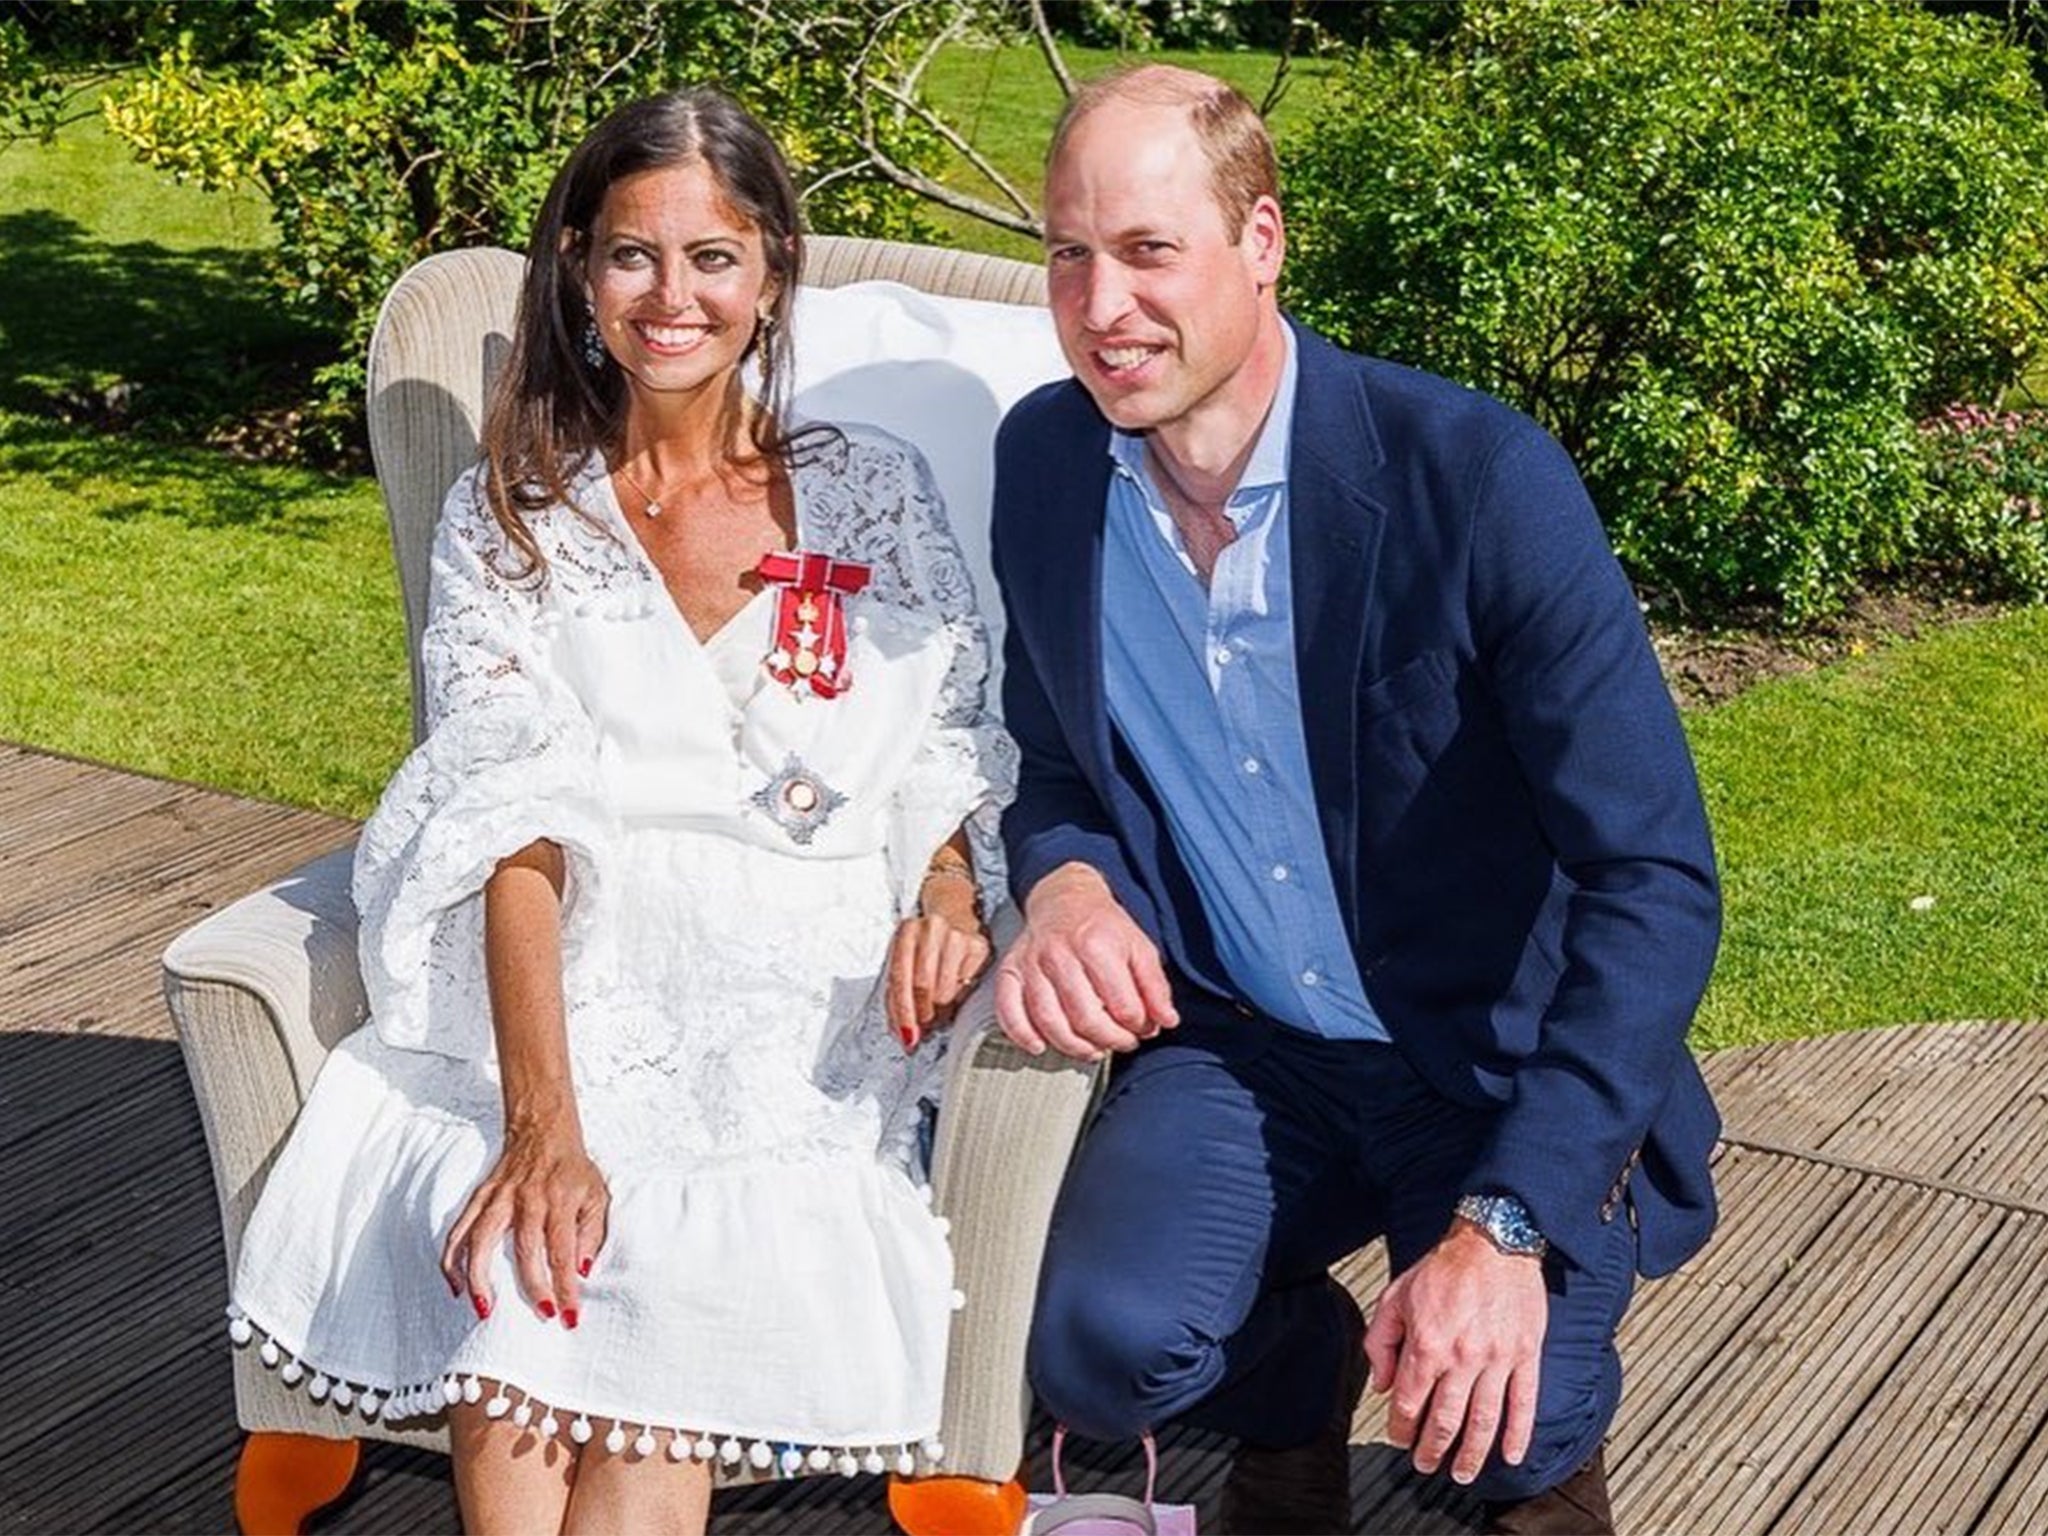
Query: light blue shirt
(1204,689)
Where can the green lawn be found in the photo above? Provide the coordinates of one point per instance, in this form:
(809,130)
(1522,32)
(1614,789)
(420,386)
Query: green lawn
(178,611)
(174,610)
(1842,797)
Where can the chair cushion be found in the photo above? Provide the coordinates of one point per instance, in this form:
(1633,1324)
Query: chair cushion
(937,372)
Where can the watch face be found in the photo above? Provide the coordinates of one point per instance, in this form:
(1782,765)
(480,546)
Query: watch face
(1506,1221)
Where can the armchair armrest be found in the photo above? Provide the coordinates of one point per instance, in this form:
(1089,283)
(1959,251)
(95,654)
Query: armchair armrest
(259,991)
(1007,1130)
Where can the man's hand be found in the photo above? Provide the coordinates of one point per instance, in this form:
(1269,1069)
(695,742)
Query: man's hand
(1458,1338)
(1083,978)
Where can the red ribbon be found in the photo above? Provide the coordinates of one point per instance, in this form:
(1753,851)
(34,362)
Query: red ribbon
(808,643)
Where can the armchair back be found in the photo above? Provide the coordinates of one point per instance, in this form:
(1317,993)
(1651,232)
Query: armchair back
(446,329)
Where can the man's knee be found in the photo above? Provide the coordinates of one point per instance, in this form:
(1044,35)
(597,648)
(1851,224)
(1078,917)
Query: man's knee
(1112,1366)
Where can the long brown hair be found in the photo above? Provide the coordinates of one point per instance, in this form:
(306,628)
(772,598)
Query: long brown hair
(550,408)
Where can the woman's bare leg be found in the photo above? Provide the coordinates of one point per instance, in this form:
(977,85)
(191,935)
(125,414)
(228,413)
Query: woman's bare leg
(509,1481)
(626,1494)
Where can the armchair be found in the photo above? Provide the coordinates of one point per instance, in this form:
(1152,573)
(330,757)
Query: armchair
(262,989)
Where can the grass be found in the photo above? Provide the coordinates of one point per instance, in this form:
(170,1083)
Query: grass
(174,610)
(188,615)
(1841,798)
(178,611)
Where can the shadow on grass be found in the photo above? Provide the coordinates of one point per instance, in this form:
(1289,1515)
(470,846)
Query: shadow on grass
(140,337)
(123,476)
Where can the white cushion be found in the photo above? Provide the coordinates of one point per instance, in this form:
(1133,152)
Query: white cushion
(937,372)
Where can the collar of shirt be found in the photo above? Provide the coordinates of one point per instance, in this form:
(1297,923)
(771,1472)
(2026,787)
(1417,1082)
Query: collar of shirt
(1264,470)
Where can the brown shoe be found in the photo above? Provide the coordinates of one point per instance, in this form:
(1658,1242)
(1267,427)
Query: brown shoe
(1304,1490)
(1575,1507)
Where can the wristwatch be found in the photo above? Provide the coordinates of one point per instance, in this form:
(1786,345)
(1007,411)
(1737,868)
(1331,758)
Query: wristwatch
(1506,1223)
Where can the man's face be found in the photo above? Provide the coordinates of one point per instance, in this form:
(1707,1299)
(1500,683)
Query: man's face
(1157,306)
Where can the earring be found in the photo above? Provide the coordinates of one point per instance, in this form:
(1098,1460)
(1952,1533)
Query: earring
(765,320)
(594,352)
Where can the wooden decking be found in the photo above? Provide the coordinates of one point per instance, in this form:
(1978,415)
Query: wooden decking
(1863,1347)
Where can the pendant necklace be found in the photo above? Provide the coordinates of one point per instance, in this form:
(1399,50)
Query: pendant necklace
(652,504)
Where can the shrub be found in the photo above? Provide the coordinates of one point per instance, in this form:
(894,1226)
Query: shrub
(383,132)
(1989,519)
(1728,255)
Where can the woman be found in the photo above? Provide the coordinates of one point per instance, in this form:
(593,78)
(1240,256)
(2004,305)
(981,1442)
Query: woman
(693,815)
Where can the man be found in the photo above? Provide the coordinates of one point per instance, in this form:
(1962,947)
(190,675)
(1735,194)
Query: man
(1354,810)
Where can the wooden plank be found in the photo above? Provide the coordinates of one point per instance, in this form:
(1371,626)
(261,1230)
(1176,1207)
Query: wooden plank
(1799,1097)
(1940,1097)
(2005,1159)
(1944,1429)
(2021,1505)
(67,841)
(51,1077)
(1740,1443)
(1682,1327)
(175,881)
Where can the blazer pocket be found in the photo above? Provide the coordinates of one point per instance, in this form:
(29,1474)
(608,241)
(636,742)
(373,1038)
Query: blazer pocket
(1416,678)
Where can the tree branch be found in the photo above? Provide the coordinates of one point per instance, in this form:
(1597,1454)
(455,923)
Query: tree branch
(952,136)
(959,202)
(1284,65)
(1050,47)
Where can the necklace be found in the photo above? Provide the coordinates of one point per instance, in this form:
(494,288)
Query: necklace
(652,505)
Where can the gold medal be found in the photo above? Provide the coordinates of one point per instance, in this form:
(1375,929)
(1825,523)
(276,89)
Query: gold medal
(806,663)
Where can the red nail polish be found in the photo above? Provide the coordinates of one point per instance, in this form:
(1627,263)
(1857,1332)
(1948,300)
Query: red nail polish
(908,1036)
(547,1308)
(583,1268)
(482,1304)
(569,1318)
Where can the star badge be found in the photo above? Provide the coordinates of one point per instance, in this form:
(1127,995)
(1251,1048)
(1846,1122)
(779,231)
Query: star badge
(797,800)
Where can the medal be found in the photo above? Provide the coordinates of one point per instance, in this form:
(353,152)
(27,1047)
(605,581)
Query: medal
(797,800)
(807,645)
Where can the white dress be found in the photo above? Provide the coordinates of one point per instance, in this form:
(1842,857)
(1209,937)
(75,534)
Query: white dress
(774,1284)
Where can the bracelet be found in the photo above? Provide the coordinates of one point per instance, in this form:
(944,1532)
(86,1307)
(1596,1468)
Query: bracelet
(947,864)
(947,861)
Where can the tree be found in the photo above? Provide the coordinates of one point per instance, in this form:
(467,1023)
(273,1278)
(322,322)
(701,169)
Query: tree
(383,130)
(1728,255)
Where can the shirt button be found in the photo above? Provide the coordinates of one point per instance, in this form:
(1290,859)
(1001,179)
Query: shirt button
(1222,655)
(1279,871)
(1310,978)
(1251,765)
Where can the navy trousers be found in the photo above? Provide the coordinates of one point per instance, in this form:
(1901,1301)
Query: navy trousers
(1232,1162)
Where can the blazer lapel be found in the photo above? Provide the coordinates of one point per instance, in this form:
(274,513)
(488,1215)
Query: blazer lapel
(1070,596)
(1334,530)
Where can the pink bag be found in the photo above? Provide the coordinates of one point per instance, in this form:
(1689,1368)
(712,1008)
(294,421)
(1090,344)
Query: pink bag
(1105,1514)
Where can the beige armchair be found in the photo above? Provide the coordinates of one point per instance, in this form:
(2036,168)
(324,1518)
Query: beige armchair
(262,989)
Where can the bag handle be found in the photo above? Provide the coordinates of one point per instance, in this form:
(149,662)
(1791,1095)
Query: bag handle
(1059,1480)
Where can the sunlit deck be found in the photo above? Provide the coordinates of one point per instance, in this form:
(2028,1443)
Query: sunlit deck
(1863,1347)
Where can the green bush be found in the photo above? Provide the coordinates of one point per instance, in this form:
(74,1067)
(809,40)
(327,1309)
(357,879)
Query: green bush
(1728,255)
(1989,518)
(385,131)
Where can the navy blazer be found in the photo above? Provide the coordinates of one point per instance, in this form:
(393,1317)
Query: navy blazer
(1508,805)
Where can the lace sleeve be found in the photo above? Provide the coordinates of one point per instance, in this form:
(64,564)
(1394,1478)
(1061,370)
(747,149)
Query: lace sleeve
(510,756)
(965,771)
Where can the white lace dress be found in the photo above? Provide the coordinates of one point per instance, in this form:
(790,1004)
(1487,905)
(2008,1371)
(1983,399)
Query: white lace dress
(774,1285)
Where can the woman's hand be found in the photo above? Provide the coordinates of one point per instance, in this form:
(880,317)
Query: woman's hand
(935,958)
(550,1196)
